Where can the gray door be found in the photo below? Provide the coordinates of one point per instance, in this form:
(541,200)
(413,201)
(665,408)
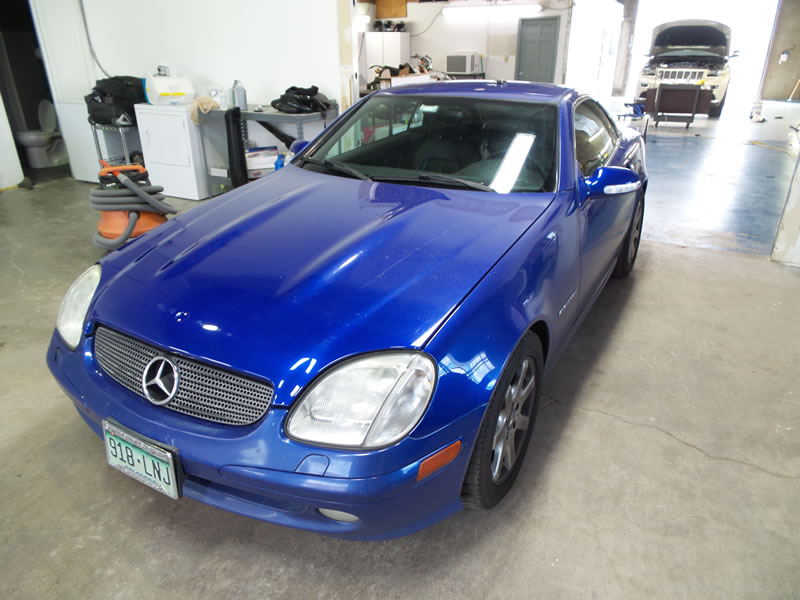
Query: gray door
(536,49)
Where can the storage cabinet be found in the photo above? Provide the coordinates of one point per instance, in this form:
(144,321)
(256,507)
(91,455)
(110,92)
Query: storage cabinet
(172,150)
(390,48)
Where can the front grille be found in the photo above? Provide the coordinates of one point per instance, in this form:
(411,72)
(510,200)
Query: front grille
(204,391)
(681,75)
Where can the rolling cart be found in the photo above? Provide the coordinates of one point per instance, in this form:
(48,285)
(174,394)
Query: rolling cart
(122,131)
(677,103)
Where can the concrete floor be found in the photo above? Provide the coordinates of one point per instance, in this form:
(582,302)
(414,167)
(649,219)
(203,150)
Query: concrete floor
(665,462)
(710,193)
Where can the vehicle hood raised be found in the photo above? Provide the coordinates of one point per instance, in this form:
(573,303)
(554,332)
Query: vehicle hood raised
(691,34)
(284,276)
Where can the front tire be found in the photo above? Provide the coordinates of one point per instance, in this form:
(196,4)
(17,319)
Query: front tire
(506,429)
(630,245)
(715,111)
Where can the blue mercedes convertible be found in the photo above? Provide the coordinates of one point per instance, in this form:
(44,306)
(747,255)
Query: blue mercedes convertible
(356,344)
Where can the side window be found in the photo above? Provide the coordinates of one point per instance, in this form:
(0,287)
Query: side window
(607,122)
(595,137)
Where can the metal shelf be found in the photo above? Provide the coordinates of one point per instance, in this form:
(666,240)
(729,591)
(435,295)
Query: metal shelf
(270,115)
(123,131)
(266,115)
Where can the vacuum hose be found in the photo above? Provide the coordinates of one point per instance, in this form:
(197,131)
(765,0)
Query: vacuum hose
(134,198)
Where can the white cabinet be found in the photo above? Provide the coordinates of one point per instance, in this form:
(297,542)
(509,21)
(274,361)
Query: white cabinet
(389,48)
(172,152)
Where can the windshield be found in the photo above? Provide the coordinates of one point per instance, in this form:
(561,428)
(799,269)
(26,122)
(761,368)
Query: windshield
(493,145)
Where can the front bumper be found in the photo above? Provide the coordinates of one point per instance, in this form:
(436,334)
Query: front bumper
(234,468)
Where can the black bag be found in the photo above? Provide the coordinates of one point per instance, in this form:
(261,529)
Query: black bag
(111,101)
(302,100)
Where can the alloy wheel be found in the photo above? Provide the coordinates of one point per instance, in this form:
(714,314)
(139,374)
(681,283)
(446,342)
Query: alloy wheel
(513,421)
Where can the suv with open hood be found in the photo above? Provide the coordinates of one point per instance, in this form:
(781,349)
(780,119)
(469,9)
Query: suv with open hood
(689,51)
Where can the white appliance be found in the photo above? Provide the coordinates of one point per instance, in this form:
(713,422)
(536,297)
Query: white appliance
(464,63)
(172,151)
(391,48)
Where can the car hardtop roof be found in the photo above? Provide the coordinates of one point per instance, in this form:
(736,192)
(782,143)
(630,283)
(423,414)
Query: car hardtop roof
(484,88)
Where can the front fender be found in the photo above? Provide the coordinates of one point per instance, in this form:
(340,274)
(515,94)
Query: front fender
(534,281)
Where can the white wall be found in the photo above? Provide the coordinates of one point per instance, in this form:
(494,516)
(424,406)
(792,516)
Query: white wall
(495,39)
(10,170)
(360,44)
(751,29)
(787,243)
(348,63)
(593,39)
(268,45)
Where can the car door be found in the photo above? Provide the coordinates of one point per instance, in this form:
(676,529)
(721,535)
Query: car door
(604,218)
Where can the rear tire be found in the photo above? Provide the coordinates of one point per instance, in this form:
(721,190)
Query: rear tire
(506,429)
(630,245)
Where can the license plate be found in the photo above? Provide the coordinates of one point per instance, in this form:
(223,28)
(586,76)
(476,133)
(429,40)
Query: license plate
(140,458)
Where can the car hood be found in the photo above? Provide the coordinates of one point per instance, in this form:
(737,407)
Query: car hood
(691,34)
(284,276)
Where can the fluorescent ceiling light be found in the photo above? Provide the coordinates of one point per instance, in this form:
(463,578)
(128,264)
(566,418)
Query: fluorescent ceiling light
(509,170)
(494,11)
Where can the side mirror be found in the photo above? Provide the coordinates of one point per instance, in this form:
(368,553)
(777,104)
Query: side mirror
(298,146)
(611,181)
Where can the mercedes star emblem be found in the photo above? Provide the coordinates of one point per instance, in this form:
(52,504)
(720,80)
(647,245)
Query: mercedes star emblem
(160,380)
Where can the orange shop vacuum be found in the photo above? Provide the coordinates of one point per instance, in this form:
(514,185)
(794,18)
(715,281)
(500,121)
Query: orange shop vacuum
(129,206)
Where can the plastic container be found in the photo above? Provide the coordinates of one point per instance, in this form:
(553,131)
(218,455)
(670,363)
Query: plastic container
(168,90)
(239,95)
(222,96)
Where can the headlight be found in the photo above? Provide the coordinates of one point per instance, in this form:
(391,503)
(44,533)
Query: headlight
(367,402)
(75,304)
(648,70)
(715,72)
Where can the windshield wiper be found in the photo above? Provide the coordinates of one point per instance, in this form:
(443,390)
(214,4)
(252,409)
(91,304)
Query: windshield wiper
(337,166)
(433,178)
